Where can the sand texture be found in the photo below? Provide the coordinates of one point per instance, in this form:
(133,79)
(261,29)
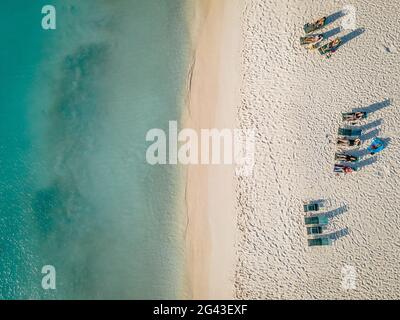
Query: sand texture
(294,99)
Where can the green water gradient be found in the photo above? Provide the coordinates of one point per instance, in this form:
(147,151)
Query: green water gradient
(75,189)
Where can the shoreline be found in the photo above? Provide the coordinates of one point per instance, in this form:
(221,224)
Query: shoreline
(212,94)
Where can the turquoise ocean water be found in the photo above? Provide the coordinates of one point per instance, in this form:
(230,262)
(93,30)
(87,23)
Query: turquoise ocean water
(75,189)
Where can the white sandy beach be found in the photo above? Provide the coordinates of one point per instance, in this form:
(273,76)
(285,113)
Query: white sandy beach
(213,94)
(246,235)
(294,99)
